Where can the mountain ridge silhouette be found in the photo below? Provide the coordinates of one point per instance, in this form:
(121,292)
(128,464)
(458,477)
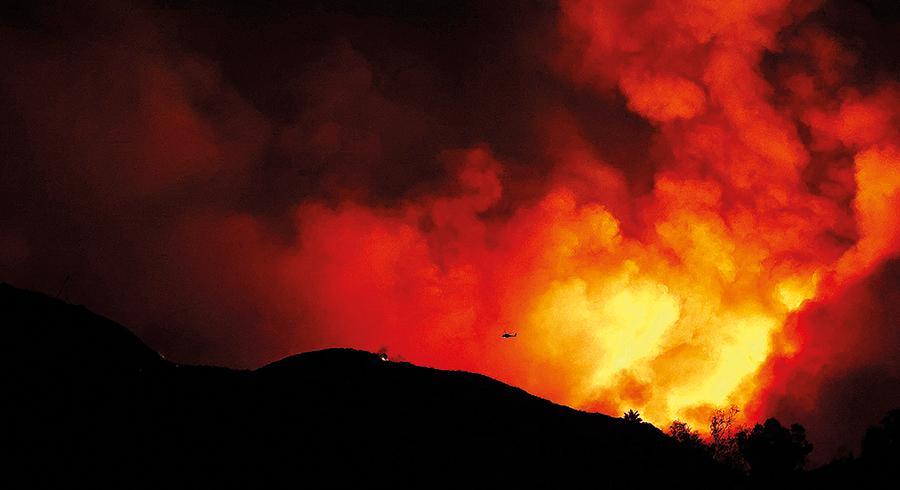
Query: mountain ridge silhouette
(91,402)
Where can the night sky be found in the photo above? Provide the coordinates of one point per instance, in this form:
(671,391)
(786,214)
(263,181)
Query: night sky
(677,205)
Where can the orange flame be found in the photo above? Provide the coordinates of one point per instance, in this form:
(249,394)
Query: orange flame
(679,243)
(675,316)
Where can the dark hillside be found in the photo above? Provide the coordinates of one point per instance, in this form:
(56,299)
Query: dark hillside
(91,402)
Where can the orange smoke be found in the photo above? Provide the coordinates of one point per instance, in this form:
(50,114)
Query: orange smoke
(666,323)
(672,303)
(675,315)
(670,202)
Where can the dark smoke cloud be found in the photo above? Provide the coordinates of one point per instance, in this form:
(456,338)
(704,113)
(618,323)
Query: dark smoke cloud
(846,376)
(237,184)
(139,139)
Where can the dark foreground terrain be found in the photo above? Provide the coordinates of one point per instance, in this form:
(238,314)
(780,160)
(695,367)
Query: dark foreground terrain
(87,401)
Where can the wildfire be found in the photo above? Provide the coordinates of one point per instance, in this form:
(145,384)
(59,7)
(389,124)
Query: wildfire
(667,203)
(671,302)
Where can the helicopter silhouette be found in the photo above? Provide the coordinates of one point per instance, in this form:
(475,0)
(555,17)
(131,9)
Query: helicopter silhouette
(507,335)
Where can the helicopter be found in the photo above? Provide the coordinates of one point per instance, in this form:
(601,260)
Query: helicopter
(507,335)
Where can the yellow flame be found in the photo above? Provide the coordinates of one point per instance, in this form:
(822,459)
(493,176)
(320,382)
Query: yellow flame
(796,290)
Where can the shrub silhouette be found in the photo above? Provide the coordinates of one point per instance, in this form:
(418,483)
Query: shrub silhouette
(772,450)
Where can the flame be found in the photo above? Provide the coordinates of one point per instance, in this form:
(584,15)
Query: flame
(672,303)
(668,202)
(668,323)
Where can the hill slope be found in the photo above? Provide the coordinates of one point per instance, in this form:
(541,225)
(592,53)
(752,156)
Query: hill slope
(90,402)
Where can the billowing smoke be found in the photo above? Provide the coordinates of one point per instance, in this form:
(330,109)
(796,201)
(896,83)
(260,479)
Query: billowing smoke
(677,205)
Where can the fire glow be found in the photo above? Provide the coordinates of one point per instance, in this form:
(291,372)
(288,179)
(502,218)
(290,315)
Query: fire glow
(686,244)
(676,317)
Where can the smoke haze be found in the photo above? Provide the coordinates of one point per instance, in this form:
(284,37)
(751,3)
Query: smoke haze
(677,205)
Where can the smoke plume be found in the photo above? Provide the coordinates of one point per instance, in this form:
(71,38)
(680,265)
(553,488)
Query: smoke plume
(677,205)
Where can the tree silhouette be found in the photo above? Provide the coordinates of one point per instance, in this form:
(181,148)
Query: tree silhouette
(881,444)
(772,450)
(724,444)
(632,416)
(690,439)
